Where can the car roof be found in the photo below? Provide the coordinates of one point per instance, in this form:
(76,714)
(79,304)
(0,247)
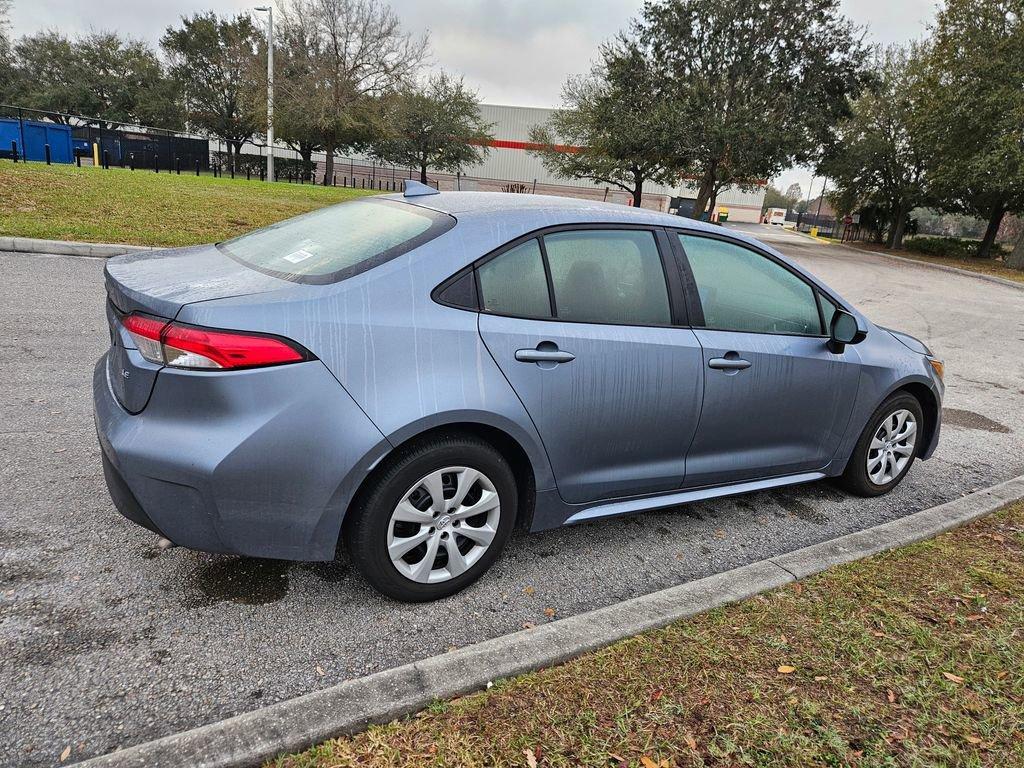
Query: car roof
(545,208)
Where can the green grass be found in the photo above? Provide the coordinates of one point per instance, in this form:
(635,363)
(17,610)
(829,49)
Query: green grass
(145,208)
(910,658)
(968,263)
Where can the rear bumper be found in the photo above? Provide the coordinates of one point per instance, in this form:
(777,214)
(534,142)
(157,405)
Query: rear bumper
(257,462)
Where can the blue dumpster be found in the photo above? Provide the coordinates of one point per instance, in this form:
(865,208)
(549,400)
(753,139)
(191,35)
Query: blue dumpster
(31,137)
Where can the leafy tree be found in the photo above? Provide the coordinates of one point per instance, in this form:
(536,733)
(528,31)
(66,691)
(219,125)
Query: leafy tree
(211,59)
(879,157)
(99,75)
(356,52)
(6,54)
(773,198)
(434,125)
(973,110)
(756,85)
(613,127)
(794,193)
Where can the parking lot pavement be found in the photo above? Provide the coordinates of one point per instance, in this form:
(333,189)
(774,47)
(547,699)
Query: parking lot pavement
(104,641)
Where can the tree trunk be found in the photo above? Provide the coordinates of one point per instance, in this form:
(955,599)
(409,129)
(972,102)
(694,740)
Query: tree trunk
(994,221)
(638,189)
(328,166)
(899,225)
(712,202)
(703,194)
(306,153)
(423,173)
(1016,258)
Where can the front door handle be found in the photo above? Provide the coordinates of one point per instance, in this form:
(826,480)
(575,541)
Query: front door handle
(728,363)
(546,352)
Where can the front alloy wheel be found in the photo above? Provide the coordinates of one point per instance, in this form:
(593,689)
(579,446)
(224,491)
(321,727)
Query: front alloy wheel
(892,447)
(886,448)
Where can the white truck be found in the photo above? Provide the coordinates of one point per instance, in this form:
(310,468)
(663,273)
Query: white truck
(776,216)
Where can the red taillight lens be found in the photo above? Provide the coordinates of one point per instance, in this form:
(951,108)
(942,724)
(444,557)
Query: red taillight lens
(188,346)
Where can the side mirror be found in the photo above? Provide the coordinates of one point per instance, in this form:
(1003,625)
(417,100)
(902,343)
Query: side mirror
(844,330)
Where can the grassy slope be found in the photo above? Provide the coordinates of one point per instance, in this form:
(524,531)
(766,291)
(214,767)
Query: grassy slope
(914,657)
(142,207)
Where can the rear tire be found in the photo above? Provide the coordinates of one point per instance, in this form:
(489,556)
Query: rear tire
(434,519)
(886,449)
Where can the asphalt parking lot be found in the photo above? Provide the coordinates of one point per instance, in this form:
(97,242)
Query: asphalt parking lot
(106,642)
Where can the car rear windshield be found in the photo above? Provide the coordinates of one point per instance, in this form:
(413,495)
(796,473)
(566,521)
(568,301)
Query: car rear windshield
(339,241)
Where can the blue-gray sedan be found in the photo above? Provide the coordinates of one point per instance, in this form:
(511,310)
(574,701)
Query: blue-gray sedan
(413,375)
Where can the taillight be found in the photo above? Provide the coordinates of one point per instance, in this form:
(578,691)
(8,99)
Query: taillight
(189,346)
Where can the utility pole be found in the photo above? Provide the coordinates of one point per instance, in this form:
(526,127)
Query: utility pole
(270,89)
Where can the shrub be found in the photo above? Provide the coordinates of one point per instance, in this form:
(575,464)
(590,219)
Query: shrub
(943,246)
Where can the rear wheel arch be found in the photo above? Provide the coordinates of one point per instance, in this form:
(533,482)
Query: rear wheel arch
(510,449)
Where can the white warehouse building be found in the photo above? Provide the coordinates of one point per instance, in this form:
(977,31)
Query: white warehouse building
(510,166)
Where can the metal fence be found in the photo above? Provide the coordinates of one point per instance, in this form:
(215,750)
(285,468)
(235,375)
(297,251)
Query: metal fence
(113,144)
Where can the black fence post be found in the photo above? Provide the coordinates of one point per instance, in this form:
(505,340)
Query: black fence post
(14,150)
(156,163)
(334,179)
(177,165)
(197,167)
(78,157)
(131,161)
(46,151)
(231,169)
(106,160)
(248,173)
(263,173)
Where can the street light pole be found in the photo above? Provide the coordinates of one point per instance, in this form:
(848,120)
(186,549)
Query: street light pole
(270,90)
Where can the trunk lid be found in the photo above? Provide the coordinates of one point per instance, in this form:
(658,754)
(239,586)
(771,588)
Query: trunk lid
(160,283)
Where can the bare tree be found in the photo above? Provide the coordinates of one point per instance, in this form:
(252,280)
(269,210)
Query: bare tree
(356,52)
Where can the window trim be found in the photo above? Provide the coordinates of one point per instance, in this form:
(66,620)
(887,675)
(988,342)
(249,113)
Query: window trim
(440,223)
(677,307)
(693,295)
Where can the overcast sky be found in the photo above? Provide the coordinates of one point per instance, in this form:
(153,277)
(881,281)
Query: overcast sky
(511,51)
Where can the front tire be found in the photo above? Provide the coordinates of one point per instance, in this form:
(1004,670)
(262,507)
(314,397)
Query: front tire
(887,447)
(434,520)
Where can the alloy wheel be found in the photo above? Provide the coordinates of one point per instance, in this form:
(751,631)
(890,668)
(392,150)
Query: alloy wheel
(443,524)
(892,447)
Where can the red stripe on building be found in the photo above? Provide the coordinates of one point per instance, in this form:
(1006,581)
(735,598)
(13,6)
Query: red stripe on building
(509,144)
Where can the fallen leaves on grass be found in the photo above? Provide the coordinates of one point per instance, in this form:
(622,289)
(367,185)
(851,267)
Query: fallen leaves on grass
(786,669)
(531,758)
(952,678)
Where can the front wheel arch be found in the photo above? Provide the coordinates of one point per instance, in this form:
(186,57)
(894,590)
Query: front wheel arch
(929,409)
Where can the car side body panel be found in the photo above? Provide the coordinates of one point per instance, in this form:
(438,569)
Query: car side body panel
(219,474)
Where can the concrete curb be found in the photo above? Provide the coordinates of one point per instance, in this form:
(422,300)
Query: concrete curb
(928,264)
(68,247)
(254,737)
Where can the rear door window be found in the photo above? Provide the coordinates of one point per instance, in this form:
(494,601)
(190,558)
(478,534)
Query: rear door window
(514,282)
(339,241)
(608,276)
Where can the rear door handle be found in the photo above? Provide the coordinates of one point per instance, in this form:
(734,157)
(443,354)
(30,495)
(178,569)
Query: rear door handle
(728,363)
(546,351)
(544,356)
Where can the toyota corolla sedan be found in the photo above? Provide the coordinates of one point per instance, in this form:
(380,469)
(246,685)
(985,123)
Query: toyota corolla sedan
(411,376)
